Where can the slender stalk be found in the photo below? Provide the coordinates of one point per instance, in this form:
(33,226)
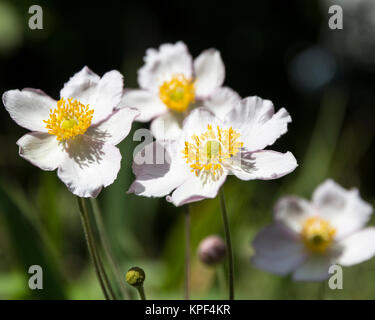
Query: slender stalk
(287,288)
(187,252)
(107,248)
(141,292)
(98,257)
(104,274)
(95,252)
(90,245)
(228,243)
(220,274)
(322,291)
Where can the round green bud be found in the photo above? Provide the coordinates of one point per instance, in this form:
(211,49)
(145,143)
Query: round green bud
(135,276)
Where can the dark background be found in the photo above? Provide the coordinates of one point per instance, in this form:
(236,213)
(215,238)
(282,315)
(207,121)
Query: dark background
(280,50)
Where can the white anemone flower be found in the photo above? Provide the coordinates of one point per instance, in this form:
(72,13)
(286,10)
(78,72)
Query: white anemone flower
(197,163)
(306,238)
(172,84)
(78,134)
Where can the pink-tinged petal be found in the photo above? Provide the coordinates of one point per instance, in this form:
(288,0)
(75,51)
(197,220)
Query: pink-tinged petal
(101,94)
(167,127)
(108,96)
(115,128)
(161,65)
(89,166)
(292,212)
(358,247)
(314,269)
(262,165)
(345,209)
(197,122)
(209,72)
(42,150)
(156,171)
(81,86)
(148,104)
(278,250)
(29,107)
(258,124)
(196,188)
(221,101)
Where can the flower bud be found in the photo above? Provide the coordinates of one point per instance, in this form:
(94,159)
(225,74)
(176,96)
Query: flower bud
(135,276)
(212,250)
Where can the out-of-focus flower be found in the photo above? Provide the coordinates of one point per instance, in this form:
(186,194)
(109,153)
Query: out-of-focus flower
(306,238)
(77,134)
(212,250)
(172,84)
(312,69)
(208,149)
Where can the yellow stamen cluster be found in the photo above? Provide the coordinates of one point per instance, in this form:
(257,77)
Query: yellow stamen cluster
(208,151)
(317,234)
(69,119)
(178,93)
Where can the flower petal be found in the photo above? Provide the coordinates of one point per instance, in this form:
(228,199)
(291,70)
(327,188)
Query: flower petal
(209,72)
(42,150)
(156,172)
(292,211)
(148,104)
(167,127)
(346,211)
(263,165)
(81,86)
(258,124)
(196,123)
(29,107)
(89,166)
(102,94)
(115,128)
(277,250)
(196,188)
(109,93)
(222,101)
(314,269)
(160,65)
(358,247)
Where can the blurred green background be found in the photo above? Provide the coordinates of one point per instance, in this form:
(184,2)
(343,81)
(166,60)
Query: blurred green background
(283,51)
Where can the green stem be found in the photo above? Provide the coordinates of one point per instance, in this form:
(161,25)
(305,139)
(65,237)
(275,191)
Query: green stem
(141,292)
(98,257)
(187,252)
(90,245)
(229,244)
(107,248)
(322,291)
(94,252)
(220,273)
(104,274)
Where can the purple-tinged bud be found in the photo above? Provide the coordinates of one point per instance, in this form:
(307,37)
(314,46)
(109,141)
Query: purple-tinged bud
(212,250)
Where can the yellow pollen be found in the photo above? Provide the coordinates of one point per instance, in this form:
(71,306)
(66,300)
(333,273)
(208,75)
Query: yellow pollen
(207,151)
(178,93)
(69,119)
(317,234)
